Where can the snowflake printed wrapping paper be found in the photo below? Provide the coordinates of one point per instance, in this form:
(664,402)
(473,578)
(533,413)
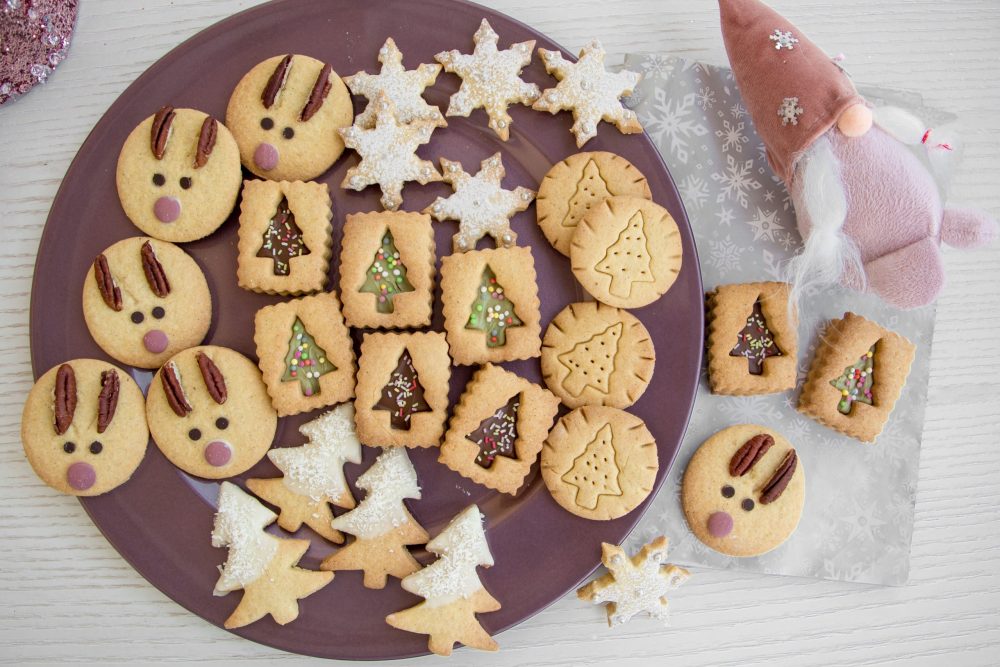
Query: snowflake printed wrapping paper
(858,515)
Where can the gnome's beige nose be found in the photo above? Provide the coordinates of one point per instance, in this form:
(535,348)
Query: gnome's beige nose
(855,121)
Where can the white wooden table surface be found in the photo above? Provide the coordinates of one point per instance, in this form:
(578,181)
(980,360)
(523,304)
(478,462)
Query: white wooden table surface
(65,594)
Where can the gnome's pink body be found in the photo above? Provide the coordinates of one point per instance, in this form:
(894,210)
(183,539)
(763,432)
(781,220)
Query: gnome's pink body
(894,217)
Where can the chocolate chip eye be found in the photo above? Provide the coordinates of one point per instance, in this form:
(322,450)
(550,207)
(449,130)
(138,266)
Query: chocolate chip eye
(96,447)
(185,182)
(222,423)
(288,133)
(158,313)
(194,434)
(137,317)
(69,447)
(266,123)
(728,491)
(747,504)
(158,180)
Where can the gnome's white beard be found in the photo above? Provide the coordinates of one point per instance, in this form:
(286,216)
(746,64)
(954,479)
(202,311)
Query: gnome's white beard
(821,203)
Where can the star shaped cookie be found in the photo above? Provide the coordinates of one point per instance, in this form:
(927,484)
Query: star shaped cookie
(388,154)
(588,90)
(480,204)
(635,584)
(403,87)
(490,78)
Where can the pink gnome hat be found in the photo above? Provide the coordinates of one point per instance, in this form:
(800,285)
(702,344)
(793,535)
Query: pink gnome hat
(867,207)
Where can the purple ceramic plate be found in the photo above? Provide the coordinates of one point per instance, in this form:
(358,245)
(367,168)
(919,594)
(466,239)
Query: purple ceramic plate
(160,521)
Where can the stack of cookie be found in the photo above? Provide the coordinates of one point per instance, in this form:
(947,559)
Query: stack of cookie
(213,412)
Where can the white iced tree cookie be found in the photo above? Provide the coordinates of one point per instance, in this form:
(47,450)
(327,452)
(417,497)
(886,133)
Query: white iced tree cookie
(381,524)
(262,565)
(588,90)
(388,153)
(635,584)
(314,474)
(451,589)
(402,87)
(480,204)
(490,78)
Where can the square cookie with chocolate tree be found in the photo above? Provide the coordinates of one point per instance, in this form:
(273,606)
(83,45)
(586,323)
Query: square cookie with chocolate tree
(498,429)
(856,377)
(402,392)
(751,339)
(491,307)
(305,353)
(387,270)
(286,238)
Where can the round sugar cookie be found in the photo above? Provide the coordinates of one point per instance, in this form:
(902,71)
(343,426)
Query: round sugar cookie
(574,186)
(593,354)
(179,174)
(599,463)
(626,251)
(146,300)
(285,113)
(209,412)
(743,490)
(84,427)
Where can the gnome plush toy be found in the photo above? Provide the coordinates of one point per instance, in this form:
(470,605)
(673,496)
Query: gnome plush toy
(868,207)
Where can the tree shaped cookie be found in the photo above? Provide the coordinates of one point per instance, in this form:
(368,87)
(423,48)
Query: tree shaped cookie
(755,341)
(403,87)
(314,474)
(262,565)
(635,584)
(480,204)
(492,312)
(386,275)
(381,524)
(402,395)
(490,78)
(856,382)
(388,154)
(452,592)
(588,90)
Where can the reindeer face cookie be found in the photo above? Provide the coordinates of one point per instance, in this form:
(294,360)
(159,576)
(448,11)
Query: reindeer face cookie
(743,490)
(285,113)
(145,300)
(209,412)
(179,175)
(84,427)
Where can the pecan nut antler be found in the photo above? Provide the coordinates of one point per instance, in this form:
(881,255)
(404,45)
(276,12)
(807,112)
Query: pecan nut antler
(107,400)
(65,404)
(160,131)
(780,479)
(106,284)
(206,141)
(174,391)
(318,95)
(747,456)
(155,275)
(276,82)
(214,380)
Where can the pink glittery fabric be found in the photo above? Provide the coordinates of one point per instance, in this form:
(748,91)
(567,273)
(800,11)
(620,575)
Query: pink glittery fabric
(34,37)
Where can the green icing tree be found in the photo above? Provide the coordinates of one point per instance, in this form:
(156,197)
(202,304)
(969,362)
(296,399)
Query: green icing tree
(306,361)
(492,312)
(386,277)
(856,383)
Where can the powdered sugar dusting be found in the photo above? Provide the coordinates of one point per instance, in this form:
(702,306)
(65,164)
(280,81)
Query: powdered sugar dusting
(239,525)
(402,87)
(389,480)
(316,469)
(462,547)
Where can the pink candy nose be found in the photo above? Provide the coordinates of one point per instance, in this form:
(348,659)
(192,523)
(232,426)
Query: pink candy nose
(81,476)
(167,209)
(218,453)
(155,341)
(720,524)
(266,157)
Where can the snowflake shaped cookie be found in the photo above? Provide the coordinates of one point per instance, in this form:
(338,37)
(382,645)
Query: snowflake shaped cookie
(635,584)
(789,111)
(490,78)
(388,154)
(403,87)
(588,90)
(480,204)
